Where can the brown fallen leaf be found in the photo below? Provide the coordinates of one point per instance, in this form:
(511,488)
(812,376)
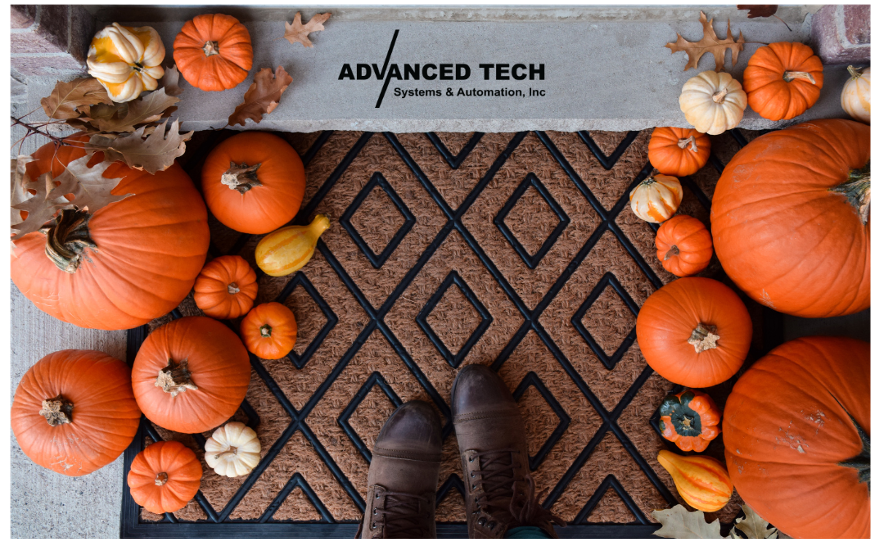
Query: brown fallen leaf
(91,190)
(679,523)
(41,207)
(753,526)
(170,81)
(262,97)
(20,181)
(758,10)
(152,154)
(68,99)
(298,32)
(710,43)
(144,110)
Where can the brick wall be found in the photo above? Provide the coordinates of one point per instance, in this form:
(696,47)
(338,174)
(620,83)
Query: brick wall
(841,34)
(50,40)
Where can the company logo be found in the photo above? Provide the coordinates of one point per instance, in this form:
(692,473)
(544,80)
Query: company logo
(446,71)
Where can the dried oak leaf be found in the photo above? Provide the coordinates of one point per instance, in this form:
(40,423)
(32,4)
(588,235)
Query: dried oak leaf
(41,207)
(298,32)
(144,110)
(710,43)
(20,181)
(754,526)
(152,154)
(69,99)
(91,190)
(678,523)
(262,97)
(170,81)
(758,11)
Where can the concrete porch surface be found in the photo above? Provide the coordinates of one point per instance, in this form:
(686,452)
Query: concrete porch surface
(606,68)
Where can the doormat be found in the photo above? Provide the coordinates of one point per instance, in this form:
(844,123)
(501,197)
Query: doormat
(518,251)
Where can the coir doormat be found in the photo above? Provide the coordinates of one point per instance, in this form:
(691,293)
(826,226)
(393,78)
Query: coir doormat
(518,251)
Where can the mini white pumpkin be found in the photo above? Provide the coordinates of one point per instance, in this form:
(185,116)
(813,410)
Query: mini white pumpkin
(233,450)
(126,60)
(856,94)
(713,102)
(656,198)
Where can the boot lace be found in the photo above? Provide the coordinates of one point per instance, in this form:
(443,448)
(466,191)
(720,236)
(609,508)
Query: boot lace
(502,495)
(400,516)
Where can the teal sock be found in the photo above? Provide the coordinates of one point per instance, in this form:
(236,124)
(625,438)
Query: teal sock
(526,532)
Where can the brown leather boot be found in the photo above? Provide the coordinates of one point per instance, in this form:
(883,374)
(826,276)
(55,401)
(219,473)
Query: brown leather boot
(500,492)
(401,502)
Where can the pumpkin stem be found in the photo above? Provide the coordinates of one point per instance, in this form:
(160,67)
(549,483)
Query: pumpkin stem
(674,250)
(266,330)
(684,142)
(719,96)
(175,379)
(210,48)
(855,72)
(790,75)
(232,288)
(241,177)
(66,239)
(703,337)
(857,190)
(861,462)
(57,411)
(161,479)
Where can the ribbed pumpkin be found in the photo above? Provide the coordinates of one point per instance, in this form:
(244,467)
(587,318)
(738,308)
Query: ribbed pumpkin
(288,249)
(783,80)
(253,182)
(702,481)
(126,60)
(213,52)
(148,249)
(269,330)
(690,419)
(684,245)
(164,477)
(790,219)
(676,151)
(713,102)
(796,429)
(656,198)
(694,332)
(74,411)
(856,94)
(191,374)
(226,288)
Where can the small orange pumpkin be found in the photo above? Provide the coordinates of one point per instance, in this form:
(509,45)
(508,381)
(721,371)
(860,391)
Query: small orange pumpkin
(684,245)
(226,288)
(164,477)
(269,330)
(191,374)
(694,332)
(690,419)
(253,182)
(213,52)
(676,151)
(783,80)
(702,482)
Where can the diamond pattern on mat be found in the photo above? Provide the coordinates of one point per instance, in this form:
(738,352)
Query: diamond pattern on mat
(367,412)
(544,429)
(297,508)
(454,331)
(531,220)
(609,320)
(314,317)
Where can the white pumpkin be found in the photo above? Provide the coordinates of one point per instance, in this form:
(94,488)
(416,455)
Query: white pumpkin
(126,60)
(713,102)
(657,198)
(233,450)
(856,95)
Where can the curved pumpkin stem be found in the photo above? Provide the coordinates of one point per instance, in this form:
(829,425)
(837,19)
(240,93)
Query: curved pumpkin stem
(161,479)
(175,379)
(719,96)
(703,337)
(232,289)
(66,239)
(685,142)
(857,190)
(241,177)
(57,411)
(210,48)
(854,72)
(674,251)
(790,76)
(266,330)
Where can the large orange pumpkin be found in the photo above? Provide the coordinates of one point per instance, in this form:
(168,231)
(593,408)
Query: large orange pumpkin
(783,80)
(253,182)
(790,219)
(694,332)
(226,288)
(796,430)
(74,411)
(147,249)
(164,477)
(191,374)
(213,52)
(676,151)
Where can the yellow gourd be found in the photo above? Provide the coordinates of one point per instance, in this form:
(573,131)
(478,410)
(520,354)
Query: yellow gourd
(713,102)
(657,198)
(126,60)
(856,94)
(288,249)
(702,482)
